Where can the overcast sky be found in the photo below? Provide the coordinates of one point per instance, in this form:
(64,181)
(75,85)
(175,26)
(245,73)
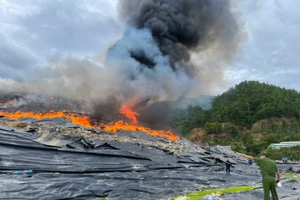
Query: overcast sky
(34,31)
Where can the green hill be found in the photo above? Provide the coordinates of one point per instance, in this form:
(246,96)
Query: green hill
(251,101)
(253,114)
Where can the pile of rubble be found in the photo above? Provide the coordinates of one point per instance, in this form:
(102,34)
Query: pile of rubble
(177,146)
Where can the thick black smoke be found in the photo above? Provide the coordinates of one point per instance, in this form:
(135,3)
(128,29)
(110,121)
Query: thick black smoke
(181,26)
(170,49)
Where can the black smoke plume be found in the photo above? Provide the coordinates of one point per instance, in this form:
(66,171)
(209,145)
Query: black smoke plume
(170,49)
(179,27)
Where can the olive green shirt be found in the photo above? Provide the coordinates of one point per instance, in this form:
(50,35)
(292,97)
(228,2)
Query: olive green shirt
(267,166)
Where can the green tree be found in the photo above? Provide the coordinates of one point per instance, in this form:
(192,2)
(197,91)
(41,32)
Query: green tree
(247,138)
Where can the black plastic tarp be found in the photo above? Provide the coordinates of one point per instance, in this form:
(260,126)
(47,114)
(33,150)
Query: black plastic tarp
(288,189)
(71,167)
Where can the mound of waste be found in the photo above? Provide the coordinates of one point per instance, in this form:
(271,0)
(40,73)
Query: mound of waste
(53,158)
(46,161)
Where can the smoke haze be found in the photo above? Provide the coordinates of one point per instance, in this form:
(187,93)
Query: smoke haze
(169,50)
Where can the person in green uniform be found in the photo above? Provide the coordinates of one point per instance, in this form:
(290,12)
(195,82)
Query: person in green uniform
(268,170)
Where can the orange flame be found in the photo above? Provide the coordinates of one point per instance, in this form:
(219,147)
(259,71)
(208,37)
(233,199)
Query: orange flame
(84,120)
(124,110)
(114,127)
(75,118)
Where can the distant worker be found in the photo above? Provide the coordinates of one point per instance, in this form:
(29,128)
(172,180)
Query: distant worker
(284,160)
(228,164)
(249,162)
(208,148)
(268,170)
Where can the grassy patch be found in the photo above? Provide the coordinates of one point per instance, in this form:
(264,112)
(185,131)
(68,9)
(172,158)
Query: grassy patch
(288,174)
(293,178)
(287,177)
(200,195)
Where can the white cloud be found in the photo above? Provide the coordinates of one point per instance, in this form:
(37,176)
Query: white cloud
(272,47)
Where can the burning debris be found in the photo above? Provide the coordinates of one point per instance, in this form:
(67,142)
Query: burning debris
(167,51)
(85,120)
(124,110)
(44,130)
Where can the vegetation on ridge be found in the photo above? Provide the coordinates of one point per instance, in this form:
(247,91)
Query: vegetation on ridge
(253,115)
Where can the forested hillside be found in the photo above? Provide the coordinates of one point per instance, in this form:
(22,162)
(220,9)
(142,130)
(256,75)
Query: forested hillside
(253,114)
(251,101)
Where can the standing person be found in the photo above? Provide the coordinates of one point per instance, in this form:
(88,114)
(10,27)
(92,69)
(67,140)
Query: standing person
(228,165)
(268,170)
(249,162)
(208,148)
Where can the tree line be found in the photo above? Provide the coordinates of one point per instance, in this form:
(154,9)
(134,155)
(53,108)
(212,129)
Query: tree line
(245,110)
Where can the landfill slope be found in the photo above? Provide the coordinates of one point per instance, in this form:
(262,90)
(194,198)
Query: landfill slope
(71,162)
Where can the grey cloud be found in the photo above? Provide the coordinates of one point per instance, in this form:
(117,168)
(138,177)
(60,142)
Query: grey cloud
(14,55)
(15,60)
(31,32)
(273,42)
(70,26)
